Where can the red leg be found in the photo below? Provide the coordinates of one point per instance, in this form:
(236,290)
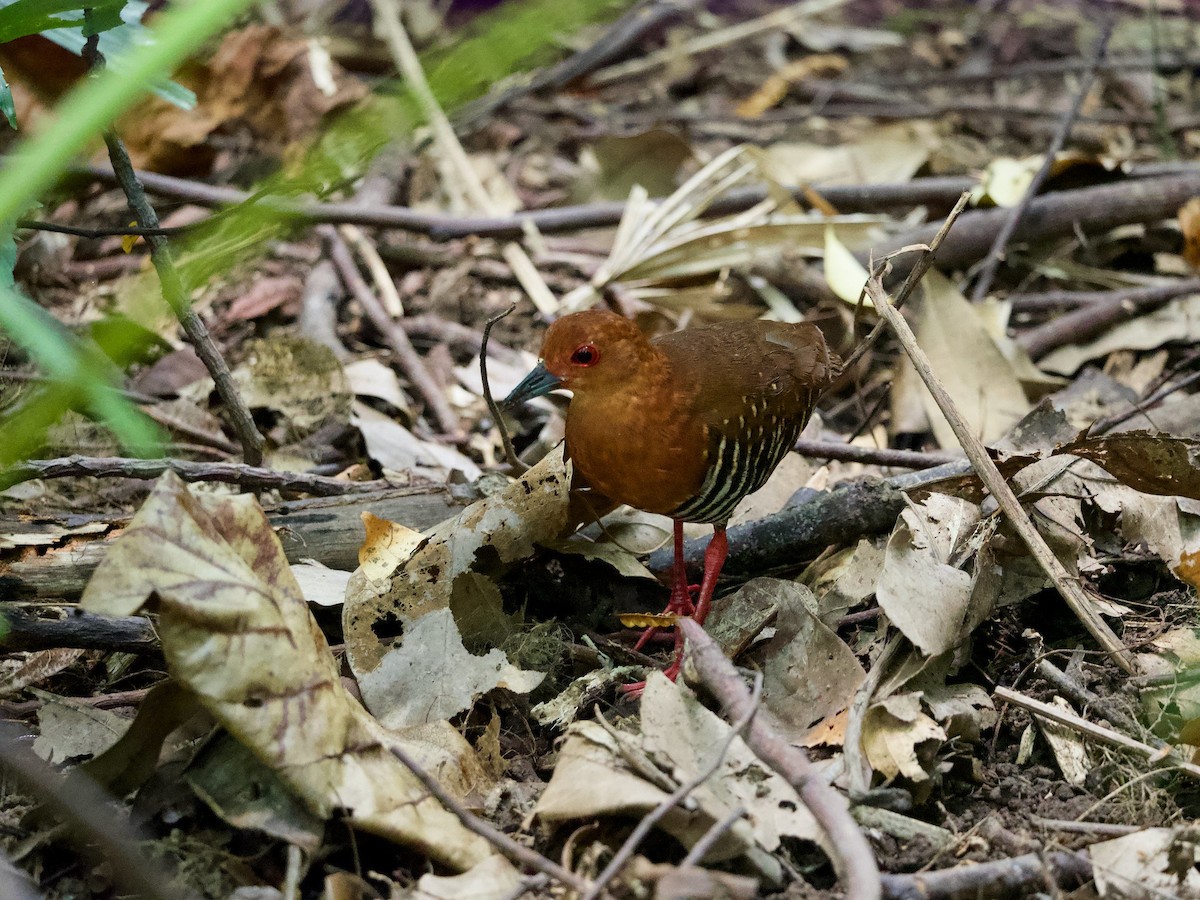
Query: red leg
(714,560)
(681,600)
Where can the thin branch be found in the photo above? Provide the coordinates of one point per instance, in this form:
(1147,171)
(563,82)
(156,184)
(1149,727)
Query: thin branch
(442,227)
(1068,585)
(407,357)
(915,274)
(173,291)
(709,838)
(1165,756)
(879,456)
(1054,300)
(518,853)
(676,797)
(852,855)
(991,263)
(509,451)
(1019,876)
(249,477)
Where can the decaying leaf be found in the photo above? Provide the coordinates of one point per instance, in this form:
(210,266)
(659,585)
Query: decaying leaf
(679,738)
(1067,746)
(1147,461)
(447,573)
(926,597)
(1152,863)
(981,381)
(1189,224)
(808,671)
(900,738)
(431,676)
(236,631)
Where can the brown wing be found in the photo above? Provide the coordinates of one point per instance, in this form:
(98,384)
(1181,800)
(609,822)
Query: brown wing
(756,385)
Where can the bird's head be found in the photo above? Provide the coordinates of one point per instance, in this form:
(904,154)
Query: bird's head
(590,350)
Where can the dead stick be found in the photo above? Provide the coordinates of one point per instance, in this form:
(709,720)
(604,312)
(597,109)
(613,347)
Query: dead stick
(853,858)
(407,357)
(1067,584)
(251,477)
(519,467)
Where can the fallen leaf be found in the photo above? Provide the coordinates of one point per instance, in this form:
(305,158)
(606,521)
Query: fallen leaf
(236,631)
(431,676)
(441,575)
(1149,462)
(899,738)
(808,671)
(1151,863)
(926,597)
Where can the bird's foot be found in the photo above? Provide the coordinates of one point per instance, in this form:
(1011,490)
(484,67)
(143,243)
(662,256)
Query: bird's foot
(634,691)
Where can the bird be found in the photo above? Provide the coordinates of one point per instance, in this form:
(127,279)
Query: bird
(685,424)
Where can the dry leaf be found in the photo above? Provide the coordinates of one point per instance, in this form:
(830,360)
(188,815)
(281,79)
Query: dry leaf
(1149,462)
(976,375)
(1151,864)
(923,595)
(593,776)
(431,676)
(1189,224)
(899,738)
(808,671)
(492,532)
(236,631)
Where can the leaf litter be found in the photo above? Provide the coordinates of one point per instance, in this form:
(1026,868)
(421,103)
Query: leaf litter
(465,639)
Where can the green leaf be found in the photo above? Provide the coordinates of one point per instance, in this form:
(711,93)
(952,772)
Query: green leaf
(6,102)
(99,19)
(35,16)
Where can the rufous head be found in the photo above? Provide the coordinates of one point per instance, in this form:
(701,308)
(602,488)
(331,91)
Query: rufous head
(594,349)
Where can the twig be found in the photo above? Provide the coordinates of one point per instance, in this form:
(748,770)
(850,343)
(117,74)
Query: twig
(1054,300)
(1067,584)
(250,477)
(1103,829)
(710,837)
(880,456)
(509,451)
(991,263)
(1165,756)
(387,14)
(652,818)
(193,326)
(406,355)
(388,295)
(87,812)
(442,227)
(1001,878)
(1052,216)
(1110,422)
(1088,321)
(1081,695)
(518,853)
(915,274)
(852,855)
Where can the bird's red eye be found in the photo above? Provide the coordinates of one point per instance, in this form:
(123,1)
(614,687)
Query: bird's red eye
(585,355)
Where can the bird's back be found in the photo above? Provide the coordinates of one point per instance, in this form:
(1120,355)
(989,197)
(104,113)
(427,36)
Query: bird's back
(754,385)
